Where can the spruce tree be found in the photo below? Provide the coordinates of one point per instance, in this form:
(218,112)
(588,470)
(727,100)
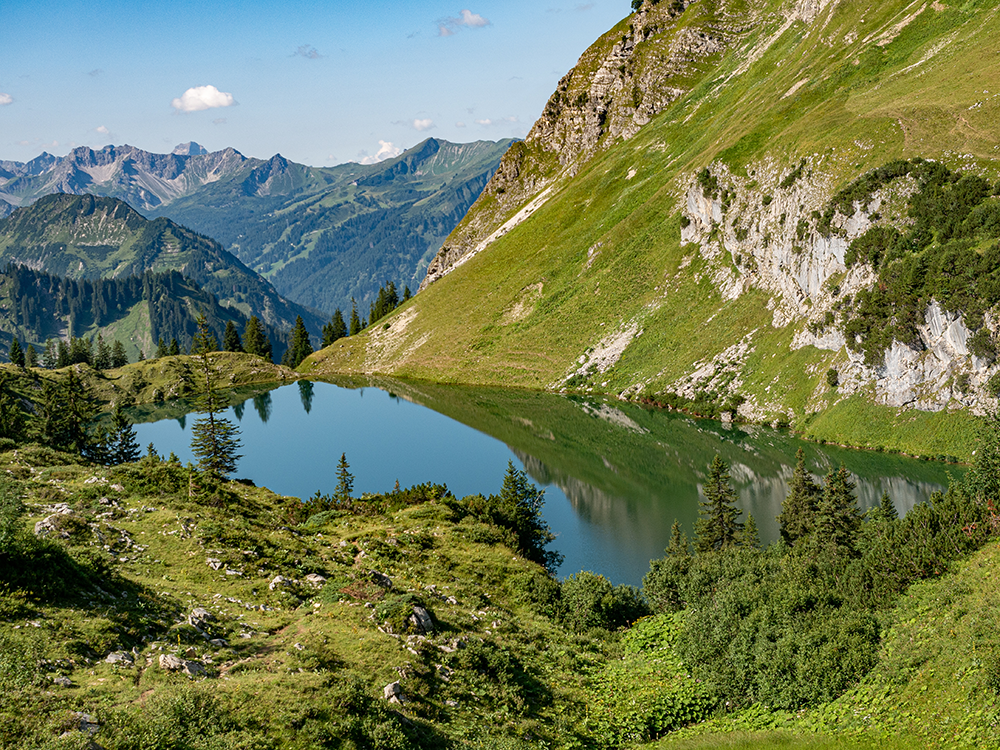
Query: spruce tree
(254,340)
(335,329)
(214,440)
(174,349)
(161,348)
(678,544)
(16,353)
(30,356)
(50,359)
(838,518)
(123,445)
(231,338)
(356,326)
(300,346)
(345,481)
(717,527)
(118,356)
(13,421)
(102,354)
(406,293)
(798,511)
(751,536)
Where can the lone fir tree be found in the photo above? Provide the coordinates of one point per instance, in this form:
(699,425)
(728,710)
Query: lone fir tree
(345,480)
(254,340)
(717,527)
(798,511)
(214,440)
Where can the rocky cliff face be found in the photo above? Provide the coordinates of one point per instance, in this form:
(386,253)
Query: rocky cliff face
(762,232)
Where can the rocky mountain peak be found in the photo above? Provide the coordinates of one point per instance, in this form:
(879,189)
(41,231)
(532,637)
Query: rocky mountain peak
(189,149)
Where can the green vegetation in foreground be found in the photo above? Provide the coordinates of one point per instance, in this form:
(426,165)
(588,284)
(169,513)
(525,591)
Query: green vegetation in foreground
(162,610)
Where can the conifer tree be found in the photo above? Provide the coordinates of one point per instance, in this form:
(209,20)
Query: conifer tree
(161,348)
(122,444)
(30,356)
(214,440)
(16,353)
(407,294)
(174,349)
(838,518)
(751,536)
(63,358)
(13,421)
(678,544)
(886,508)
(102,354)
(254,340)
(231,338)
(717,527)
(335,329)
(356,326)
(300,346)
(118,356)
(345,480)
(798,511)
(50,359)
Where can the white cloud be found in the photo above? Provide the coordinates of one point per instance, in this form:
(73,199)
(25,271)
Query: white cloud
(202,97)
(459,124)
(425,124)
(102,130)
(386,150)
(466,18)
(6,99)
(484,123)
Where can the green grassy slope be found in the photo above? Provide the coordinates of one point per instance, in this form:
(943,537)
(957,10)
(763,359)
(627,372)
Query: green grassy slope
(602,256)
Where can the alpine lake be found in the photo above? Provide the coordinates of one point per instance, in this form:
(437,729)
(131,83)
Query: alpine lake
(615,475)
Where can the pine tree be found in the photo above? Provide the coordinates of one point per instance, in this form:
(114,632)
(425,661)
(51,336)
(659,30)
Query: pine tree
(717,527)
(214,440)
(174,349)
(300,346)
(838,518)
(63,358)
(678,544)
(356,326)
(254,340)
(231,338)
(123,446)
(519,508)
(161,348)
(345,481)
(50,359)
(888,509)
(798,511)
(30,356)
(16,353)
(118,356)
(335,329)
(751,536)
(406,293)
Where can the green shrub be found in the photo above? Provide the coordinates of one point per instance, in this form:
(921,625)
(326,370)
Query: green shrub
(832,378)
(590,601)
(12,512)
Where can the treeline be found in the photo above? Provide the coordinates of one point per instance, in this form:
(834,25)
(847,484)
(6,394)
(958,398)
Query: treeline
(388,299)
(49,314)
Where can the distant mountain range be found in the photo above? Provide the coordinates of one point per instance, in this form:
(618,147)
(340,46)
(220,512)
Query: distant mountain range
(87,237)
(320,235)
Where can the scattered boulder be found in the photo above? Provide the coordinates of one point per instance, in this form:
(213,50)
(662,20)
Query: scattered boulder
(62,681)
(381,579)
(171,663)
(199,618)
(219,642)
(422,621)
(213,563)
(315,580)
(120,657)
(280,582)
(393,692)
(49,525)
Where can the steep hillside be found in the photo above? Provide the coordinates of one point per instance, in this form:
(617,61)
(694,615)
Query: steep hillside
(84,237)
(321,235)
(678,224)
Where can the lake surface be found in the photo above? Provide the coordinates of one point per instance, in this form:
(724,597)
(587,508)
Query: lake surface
(615,475)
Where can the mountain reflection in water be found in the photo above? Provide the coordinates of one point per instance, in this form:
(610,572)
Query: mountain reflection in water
(616,475)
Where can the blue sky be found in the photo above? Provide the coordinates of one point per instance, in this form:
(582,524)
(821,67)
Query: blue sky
(319,82)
